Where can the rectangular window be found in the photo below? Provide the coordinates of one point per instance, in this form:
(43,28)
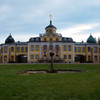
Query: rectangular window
(69,56)
(12,49)
(51,47)
(17,49)
(26,49)
(37,47)
(22,49)
(5,49)
(89,49)
(1,50)
(69,47)
(95,49)
(32,56)
(64,47)
(65,56)
(45,47)
(37,56)
(32,47)
(75,49)
(83,49)
(79,49)
(99,50)
(57,47)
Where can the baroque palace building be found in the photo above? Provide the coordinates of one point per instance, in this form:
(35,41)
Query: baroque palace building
(37,49)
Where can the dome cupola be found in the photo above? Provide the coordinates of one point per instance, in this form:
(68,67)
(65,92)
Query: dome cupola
(9,39)
(91,39)
(50,28)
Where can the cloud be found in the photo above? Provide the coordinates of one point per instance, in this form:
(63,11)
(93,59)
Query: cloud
(30,16)
(4,8)
(4,11)
(83,37)
(78,28)
(78,32)
(23,38)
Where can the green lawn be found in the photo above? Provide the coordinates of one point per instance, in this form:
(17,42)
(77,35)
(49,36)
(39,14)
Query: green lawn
(69,86)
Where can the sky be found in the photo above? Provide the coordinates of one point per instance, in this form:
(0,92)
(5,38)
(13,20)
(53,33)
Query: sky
(28,18)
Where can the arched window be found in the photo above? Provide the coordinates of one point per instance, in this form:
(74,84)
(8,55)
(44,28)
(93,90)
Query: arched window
(12,58)
(51,31)
(57,47)
(45,47)
(95,49)
(32,56)
(32,47)
(5,58)
(22,49)
(12,49)
(65,47)
(5,49)
(96,58)
(45,57)
(44,39)
(17,49)
(89,58)
(57,56)
(46,31)
(50,39)
(50,47)
(56,39)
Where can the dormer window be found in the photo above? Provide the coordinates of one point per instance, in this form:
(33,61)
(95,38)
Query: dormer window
(32,39)
(37,39)
(64,39)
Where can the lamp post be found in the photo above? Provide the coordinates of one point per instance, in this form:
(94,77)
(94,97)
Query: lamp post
(52,70)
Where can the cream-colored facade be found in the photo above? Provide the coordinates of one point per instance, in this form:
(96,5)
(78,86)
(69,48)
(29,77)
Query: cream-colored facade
(37,49)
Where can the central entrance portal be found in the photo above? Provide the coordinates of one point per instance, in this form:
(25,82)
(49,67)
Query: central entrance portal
(80,58)
(21,59)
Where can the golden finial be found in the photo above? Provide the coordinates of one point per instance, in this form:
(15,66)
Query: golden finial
(50,17)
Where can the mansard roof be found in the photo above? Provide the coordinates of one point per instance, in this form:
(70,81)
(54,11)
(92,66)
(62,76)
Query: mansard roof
(66,39)
(35,39)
